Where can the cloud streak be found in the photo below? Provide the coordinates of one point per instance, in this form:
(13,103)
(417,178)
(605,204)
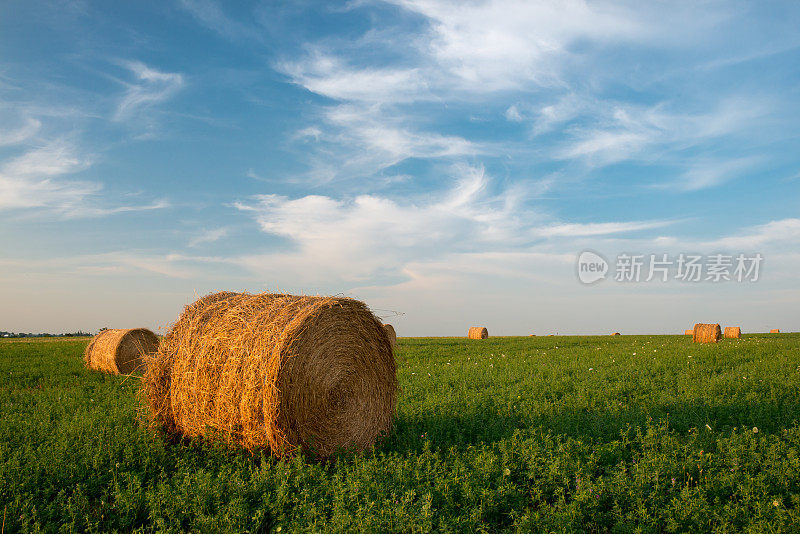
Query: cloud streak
(150,87)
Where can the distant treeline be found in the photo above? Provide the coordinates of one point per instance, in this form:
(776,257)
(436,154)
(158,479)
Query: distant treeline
(23,334)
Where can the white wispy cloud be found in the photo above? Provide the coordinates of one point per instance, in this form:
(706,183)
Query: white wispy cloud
(329,76)
(501,45)
(39,178)
(598,229)
(28,129)
(626,131)
(780,232)
(34,179)
(372,236)
(705,173)
(357,141)
(211,15)
(209,236)
(150,87)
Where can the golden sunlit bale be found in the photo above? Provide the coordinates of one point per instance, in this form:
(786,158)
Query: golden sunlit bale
(280,371)
(120,351)
(477,332)
(774,331)
(732,332)
(706,333)
(688,332)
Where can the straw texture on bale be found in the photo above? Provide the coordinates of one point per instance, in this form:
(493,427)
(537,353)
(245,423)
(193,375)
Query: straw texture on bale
(119,351)
(688,332)
(706,333)
(280,371)
(477,332)
(391,334)
(774,331)
(732,332)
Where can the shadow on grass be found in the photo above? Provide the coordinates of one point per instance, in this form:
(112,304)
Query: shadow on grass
(488,425)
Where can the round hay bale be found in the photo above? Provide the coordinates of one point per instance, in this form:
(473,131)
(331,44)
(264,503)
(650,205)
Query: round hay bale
(688,332)
(774,331)
(616,334)
(391,334)
(120,351)
(280,371)
(477,332)
(706,333)
(732,332)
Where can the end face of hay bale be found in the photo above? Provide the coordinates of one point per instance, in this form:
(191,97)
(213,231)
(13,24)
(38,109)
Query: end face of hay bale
(391,334)
(707,333)
(120,351)
(688,332)
(733,332)
(280,371)
(477,332)
(774,331)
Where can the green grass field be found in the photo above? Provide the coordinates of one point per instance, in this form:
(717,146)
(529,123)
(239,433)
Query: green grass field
(626,434)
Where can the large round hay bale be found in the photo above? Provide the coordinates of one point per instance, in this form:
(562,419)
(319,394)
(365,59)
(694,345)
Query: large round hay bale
(280,371)
(120,351)
(733,332)
(688,332)
(774,331)
(616,334)
(706,333)
(391,334)
(477,332)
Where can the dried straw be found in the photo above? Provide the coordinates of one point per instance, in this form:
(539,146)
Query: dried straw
(477,332)
(280,371)
(688,332)
(707,333)
(774,331)
(118,351)
(733,332)
(391,334)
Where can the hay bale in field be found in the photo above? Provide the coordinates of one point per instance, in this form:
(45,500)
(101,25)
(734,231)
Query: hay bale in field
(774,331)
(391,334)
(706,333)
(616,334)
(120,351)
(477,332)
(688,332)
(280,371)
(732,332)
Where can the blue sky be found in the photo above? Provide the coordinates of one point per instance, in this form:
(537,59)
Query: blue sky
(444,161)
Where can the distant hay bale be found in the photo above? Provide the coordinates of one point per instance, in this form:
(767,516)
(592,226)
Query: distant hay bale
(280,371)
(477,332)
(688,332)
(616,334)
(774,331)
(391,334)
(706,333)
(118,351)
(732,332)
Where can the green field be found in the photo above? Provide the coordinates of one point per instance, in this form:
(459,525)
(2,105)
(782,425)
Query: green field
(626,434)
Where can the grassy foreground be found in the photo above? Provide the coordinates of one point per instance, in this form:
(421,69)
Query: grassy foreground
(626,434)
